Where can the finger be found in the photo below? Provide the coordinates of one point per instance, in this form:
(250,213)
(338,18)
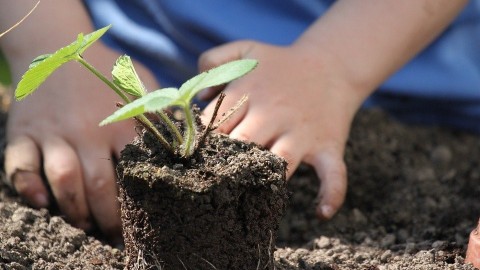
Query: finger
(101,190)
(222,54)
(63,171)
(22,167)
(289,149)
(332,171)
(255,128)
(230,100)
(209,93)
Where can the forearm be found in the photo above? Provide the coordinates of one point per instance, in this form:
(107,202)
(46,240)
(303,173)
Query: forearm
(371,39)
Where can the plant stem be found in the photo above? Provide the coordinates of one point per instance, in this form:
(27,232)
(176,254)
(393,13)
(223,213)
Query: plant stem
(189,143)
(141,118)
(155,131)
(209,128)
(171,126)
(103,79)
(150,126)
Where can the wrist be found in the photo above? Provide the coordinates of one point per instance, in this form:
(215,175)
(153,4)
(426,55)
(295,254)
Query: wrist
(350,86)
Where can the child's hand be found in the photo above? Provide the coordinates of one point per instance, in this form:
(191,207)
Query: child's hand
(55,133)
(302,98)
(53,138)
(298,107)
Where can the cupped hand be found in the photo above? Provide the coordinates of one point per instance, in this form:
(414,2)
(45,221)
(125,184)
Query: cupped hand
(56,152)
(299,107)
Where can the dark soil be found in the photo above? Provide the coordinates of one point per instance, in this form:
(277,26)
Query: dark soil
(412,201)
(218,209)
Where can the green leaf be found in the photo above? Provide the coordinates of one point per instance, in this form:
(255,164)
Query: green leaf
(41,70)
(216,76)
(89,39)
(39,59)
(151,102)
(43,66)
(125,77)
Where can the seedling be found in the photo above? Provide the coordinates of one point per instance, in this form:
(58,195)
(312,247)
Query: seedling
(126,83)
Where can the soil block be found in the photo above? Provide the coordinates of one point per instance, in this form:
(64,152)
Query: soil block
(219,209)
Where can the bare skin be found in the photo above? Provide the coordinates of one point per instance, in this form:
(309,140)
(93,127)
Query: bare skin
(302,99)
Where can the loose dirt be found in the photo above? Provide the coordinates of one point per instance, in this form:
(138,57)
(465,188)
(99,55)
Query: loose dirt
(411,203)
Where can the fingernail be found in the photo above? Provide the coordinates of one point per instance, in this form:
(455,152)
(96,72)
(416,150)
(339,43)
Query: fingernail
(40,200)
(327,211)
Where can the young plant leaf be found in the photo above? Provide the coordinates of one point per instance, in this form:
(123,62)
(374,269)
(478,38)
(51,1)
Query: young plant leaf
(43,66)
(216,76)
(151,102)
(89,39)
(126,78)
(41,69)
(39,59)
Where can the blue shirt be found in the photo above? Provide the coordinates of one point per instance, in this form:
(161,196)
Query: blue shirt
(440,86)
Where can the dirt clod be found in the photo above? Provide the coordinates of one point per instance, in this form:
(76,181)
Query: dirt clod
(219,209)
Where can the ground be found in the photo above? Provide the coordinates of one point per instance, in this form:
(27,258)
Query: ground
(411,203)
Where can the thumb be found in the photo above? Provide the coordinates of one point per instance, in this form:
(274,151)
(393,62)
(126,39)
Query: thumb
(332,171)
(224,53)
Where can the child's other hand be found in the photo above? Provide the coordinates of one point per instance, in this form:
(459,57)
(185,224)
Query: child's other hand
(299,107)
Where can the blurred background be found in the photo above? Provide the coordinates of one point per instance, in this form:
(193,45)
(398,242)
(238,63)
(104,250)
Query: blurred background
(5,81)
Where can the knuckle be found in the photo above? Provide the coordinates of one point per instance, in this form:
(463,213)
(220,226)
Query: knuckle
(61,176)
(98,186)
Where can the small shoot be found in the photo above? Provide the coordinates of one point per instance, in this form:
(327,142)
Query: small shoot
(126,83)
(126,78)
